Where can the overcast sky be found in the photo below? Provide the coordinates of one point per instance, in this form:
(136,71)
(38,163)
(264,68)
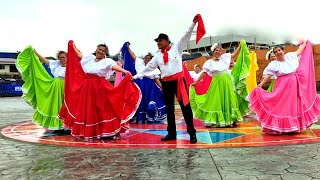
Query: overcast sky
(49,24)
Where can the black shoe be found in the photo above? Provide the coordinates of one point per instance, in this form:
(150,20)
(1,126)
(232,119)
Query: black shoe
(60,131)
(234,124)
(67,132)
(193,139)
(168,138)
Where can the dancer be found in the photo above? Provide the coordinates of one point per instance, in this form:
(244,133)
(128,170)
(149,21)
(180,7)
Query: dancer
(93,108)
(169,59)
(225,102)
(57,68)
(196,73)
(271,57)
(293,105)
(152,107)
(43,92)
(202,86)
(252,78)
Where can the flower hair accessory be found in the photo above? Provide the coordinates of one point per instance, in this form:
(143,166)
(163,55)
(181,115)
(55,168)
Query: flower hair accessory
(268,54)
(214,46)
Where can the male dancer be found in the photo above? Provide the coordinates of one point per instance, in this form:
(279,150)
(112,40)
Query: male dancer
(169,59)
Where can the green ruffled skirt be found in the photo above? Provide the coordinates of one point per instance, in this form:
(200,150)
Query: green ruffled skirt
(219,107)
(226,100)
(270,89)
(40,90)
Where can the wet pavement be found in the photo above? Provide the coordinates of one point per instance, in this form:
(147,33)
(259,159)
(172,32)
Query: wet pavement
(22,160)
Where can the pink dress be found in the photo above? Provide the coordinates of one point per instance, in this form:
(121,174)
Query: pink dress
(294,104)
(118,77)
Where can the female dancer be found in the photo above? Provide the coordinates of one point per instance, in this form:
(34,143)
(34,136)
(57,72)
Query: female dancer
(196,73)
(152,107)
(93,108)
(225,101)
(43,92)
(293,105)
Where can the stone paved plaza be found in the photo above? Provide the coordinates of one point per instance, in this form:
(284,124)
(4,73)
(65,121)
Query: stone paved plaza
(22,160)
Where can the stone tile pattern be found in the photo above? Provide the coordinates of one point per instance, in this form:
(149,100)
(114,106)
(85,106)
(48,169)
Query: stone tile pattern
(20,160)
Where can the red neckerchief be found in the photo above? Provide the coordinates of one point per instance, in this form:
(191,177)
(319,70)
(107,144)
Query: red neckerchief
(166,55)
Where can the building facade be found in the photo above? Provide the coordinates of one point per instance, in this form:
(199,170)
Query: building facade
(7,64)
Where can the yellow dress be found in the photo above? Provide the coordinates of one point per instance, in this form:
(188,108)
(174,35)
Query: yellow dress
(252,79)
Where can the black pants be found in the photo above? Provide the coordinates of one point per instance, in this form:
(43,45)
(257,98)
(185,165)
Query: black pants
(169,93)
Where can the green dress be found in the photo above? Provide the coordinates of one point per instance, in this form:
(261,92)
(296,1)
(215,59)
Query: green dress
(270,88)
(226,99)
(41,91)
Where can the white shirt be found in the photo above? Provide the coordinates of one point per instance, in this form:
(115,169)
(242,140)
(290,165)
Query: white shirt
(140,65)
(280,68)
(194,75)
(223,64)
(102,68)
(174,64)
(56,69)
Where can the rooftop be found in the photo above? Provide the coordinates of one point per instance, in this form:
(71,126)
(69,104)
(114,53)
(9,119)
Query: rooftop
(13,55)
(209,41)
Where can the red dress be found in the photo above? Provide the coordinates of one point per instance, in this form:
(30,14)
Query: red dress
(92,107)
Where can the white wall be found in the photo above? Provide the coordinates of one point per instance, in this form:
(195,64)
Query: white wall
(5,70)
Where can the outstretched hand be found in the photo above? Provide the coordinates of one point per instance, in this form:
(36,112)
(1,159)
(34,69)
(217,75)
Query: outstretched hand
(127,72)
(74,46)
(194,83)
(195,19)
(303,41)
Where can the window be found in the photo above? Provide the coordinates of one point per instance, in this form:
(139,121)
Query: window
(2,66)
(13,68)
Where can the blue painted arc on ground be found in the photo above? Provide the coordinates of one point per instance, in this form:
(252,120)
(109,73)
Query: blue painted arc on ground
(203,137)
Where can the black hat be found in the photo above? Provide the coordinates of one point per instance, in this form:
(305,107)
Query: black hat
(162,36)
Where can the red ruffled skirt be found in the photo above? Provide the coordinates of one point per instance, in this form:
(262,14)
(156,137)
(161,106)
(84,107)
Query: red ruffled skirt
(93,108)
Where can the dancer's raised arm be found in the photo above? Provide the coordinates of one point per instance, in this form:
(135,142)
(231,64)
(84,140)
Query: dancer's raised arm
(236,52)
(79,54)
(134,57)
(301,48)
(41,58)
(186,37)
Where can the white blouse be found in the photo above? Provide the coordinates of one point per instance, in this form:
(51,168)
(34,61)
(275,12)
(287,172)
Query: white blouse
(139,66)
(223,64)
(194,75)
(102,68)
(280,68)
(56,69)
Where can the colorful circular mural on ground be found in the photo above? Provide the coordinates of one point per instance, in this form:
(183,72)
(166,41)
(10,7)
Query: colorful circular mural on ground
(248,133)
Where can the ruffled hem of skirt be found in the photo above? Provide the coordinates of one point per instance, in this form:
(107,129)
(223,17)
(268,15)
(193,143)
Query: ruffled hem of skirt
(281,125)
